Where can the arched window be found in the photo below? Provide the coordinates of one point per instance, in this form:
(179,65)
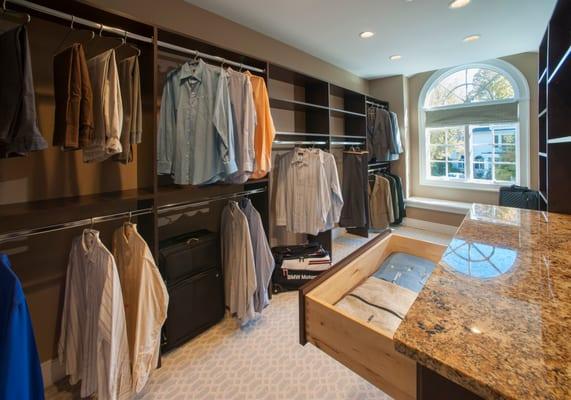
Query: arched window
(474,127)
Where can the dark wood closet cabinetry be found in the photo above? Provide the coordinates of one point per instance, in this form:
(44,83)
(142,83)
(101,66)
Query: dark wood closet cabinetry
(48,197)
(555,111)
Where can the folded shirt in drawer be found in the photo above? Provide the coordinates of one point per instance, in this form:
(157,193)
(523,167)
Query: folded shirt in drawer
(378,302)
(406,270)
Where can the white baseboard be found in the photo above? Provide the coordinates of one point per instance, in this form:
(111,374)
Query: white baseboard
(52,372)
(429,226)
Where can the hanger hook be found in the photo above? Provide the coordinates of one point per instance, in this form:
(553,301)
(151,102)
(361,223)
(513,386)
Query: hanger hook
(130,215)
(4,6)
(100,30)
(72,22)
(91,226)
(196,55)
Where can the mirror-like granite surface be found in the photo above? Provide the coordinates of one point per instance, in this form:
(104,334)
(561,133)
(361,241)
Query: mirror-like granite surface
(495,316)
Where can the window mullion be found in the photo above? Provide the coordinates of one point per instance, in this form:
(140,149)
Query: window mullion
(468,153)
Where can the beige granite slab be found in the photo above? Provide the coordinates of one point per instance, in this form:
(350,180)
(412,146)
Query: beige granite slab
(495,316)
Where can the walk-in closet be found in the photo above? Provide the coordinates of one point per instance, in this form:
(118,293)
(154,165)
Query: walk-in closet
(251,200)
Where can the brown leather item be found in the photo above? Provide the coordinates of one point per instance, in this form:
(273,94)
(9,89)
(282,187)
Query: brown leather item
(74,99)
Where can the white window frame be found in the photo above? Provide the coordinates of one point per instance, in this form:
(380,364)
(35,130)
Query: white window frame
(521,95)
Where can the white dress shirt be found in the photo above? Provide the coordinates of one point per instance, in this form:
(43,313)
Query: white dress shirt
(308,194)
(93,339)
(146,301)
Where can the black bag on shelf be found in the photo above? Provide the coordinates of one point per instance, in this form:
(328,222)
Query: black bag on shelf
(190,265)
(296,265)
(519,197)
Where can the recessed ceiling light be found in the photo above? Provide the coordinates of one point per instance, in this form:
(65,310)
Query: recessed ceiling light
(366,34)
(455,4)
(471,38)
(395,57)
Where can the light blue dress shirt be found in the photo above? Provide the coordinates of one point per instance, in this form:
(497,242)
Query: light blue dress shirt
(196,137)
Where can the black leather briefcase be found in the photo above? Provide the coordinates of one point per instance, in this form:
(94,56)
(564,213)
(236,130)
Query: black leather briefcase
(519,197)
(191,267)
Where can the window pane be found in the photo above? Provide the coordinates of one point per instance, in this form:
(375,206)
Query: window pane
(455,135)
(471,85)
(482,170)
(456,170)
(481,135)
(455,153)
(437,136)
(505,172)
(437,169)
(504,136)
(483,153)
(504,153)
(438,153)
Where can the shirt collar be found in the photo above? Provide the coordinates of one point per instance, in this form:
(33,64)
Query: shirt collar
(192,69)
(307,153)
(89,241)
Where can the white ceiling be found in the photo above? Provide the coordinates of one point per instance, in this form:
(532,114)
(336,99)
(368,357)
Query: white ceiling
(426,33)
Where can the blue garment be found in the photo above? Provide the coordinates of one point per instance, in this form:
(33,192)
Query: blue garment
(405,270)
(20,372)
(196,136)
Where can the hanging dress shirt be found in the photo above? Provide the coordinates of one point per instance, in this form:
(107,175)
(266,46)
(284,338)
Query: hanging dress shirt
(238,263)
(93,343)
(73,119)
(196,135)
(379,134)
(132,129)
(395,143)
(20,371)
(19,132)
(107,108)
(308,194)
(145,298)
(263,257)
(265,130)
(244,124)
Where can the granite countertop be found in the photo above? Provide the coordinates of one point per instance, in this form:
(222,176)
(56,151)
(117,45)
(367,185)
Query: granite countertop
(495,316)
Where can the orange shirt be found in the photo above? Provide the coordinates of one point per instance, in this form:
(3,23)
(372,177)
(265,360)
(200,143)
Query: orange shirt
(265,131)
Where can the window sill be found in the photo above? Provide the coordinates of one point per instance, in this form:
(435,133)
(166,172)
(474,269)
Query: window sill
(481,187)
(453,207)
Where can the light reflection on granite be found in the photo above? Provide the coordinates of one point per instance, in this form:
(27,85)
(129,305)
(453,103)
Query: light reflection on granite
(505,333)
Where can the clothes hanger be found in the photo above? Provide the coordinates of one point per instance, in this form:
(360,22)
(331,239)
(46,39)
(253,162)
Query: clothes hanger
(72,29)
(13,13)
(124,43)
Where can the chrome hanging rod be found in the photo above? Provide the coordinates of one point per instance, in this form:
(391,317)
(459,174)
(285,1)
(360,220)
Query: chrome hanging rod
(300,142)
(302,134)
(72,224)
(85,22)
(205,202)
(205,56)
(372,103)
(359,143)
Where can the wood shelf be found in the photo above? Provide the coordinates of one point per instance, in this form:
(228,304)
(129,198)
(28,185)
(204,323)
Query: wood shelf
(295,105)
(336,112)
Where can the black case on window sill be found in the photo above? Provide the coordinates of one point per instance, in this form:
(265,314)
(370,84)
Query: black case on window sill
(191,267)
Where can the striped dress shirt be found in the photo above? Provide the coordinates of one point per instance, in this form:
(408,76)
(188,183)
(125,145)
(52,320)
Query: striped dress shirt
(146,301)
(93,339)
(308,194)
(263,257)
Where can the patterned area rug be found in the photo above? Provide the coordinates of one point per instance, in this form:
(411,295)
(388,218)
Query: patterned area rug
(261,361)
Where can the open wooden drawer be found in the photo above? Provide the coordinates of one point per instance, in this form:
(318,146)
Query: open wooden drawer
(366,349)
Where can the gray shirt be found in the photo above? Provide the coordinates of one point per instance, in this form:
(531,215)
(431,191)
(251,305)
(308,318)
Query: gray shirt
(244,124)
(196,136)
(238,263)
(263,258)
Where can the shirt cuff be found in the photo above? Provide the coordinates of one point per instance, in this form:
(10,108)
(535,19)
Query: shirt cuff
(164,167)
(113,146)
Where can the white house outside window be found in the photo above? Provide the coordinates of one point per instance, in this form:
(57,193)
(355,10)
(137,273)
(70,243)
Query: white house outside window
(474,127)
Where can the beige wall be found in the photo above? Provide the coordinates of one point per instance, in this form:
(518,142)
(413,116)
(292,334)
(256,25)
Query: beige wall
(179,16)
(527,64)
